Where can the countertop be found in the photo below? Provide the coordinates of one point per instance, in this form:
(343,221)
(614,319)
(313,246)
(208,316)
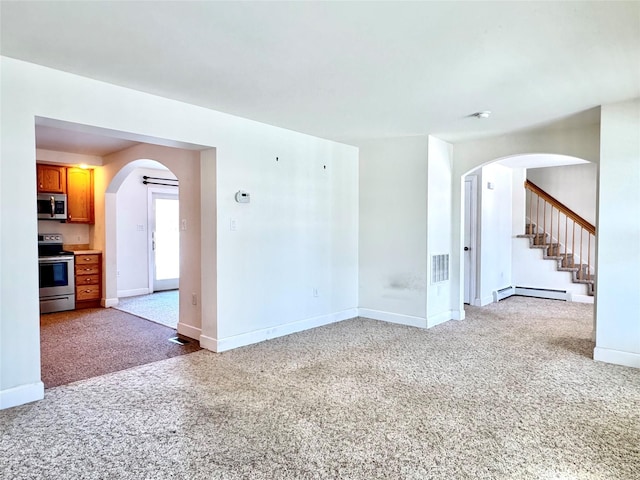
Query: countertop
(86,252)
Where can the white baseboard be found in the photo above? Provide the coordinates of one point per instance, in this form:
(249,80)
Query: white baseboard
(224,344)
(12,397)
(457,315)
(109,302)
(133,293)
(486,300)
(574,297)
(393,317)
(189,331)
(617,357)
(433,320)
(208,343)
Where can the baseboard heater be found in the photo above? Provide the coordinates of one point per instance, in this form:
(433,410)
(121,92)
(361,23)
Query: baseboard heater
(541,293)
(503,293)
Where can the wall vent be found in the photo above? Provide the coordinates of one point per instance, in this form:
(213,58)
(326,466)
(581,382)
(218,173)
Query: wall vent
(439,268)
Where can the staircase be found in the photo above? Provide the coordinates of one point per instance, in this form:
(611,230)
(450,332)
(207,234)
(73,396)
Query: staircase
(563,235)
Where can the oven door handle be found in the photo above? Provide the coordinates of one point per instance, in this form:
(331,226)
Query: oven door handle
(58,297)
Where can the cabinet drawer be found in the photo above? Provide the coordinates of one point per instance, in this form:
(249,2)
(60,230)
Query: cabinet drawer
(87,259)
(87,269)
(87,280)
(87,292)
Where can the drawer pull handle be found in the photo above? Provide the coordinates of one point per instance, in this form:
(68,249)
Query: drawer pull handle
(87,269)
(87,258)
(87,291)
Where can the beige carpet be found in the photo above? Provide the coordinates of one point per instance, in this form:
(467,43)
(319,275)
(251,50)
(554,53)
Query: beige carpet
(497,396)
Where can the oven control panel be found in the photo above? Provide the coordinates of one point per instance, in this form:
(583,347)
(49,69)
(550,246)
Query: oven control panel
(50,238)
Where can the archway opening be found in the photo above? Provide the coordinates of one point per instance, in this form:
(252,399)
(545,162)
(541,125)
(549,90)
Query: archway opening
(147,225)
(497,229)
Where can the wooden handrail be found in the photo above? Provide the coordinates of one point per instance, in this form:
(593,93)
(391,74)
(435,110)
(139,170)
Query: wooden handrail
(560,206)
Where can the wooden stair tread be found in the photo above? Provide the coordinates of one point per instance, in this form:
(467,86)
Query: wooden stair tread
(565,261)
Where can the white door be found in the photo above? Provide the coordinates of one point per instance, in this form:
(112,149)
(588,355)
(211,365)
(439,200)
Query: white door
(470,211)
(164,241)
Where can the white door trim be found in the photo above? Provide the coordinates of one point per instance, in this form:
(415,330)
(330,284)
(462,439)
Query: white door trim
(470,278)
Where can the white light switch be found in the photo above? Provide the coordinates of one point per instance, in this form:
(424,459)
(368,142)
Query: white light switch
(232,224)
(183,224)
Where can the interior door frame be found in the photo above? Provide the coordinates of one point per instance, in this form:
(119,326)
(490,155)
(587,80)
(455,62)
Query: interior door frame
(470,278)
(173,192)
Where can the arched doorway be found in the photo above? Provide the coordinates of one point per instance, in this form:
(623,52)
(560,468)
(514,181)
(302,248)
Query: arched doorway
(494,262)
(148,242)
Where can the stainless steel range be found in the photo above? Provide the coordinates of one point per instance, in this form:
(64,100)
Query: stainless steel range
(56,273)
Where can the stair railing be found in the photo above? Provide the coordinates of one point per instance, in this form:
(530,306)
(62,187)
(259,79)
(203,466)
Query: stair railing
(566,228)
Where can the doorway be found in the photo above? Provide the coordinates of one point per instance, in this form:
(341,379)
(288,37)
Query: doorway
(164,240)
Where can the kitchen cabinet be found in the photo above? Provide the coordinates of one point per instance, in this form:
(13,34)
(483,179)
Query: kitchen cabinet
(51,178)
(80,195)
(88,277)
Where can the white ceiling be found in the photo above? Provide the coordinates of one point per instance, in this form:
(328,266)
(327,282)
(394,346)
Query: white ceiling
(348,70)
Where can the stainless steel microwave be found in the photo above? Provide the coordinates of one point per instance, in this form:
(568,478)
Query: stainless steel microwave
(52,206)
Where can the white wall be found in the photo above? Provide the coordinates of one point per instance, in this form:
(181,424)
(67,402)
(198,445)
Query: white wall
(495,221)
(132,229)
(618,279)
(439,228)
(393,229)
(290,199)
(298,234)
(573,185)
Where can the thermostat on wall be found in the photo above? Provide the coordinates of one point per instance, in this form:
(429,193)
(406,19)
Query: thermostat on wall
(242,197)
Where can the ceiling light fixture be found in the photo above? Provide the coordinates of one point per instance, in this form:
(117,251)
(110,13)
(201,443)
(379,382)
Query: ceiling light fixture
(482,114)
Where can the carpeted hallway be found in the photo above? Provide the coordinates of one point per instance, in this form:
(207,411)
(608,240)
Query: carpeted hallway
(509,393)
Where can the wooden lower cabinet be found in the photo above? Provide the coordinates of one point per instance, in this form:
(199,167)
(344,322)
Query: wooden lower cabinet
(88,280)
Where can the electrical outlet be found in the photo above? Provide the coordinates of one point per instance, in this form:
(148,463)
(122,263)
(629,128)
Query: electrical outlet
(194,299)
(183,224)
(140,227)
(232,225)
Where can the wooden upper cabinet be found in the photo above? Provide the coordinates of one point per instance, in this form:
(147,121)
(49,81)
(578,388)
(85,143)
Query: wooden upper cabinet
(79,195)
(51,178)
